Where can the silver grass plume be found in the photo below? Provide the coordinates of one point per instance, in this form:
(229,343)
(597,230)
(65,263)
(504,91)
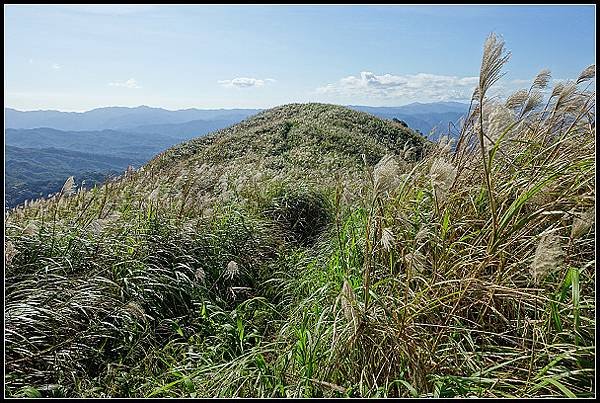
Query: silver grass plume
(200,275)
(494,57)
(499,119)
(114,216)
(442,174)
(415,262)
(421,236)
(565,93)
(69,187)
(558,88)
(348,301)
(30,229)
(386,173)
(533,101)
(548,257)
(347,195)
(587,74)
(387,239)
(9,252)
(445,144)
(97,225)
(517,99)
(582,223)
(153,195)
(232,270)
(136,310)
(541,80)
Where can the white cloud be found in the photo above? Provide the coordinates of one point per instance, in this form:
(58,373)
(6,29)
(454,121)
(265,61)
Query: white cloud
(416,86)
(245,82)
(131,83)
(56,66)
(521,82)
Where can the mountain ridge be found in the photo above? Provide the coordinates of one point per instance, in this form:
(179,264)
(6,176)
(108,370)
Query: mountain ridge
(126,118)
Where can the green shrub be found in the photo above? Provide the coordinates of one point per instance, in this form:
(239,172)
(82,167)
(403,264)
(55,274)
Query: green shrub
(302,214)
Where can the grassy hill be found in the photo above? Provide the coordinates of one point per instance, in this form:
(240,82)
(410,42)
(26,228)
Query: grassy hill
(317,251)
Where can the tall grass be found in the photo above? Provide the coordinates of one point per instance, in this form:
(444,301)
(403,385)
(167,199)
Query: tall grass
(470,272)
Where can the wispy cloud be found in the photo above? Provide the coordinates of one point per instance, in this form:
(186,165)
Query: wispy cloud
(55,66)
(131,83)
(390,86)
(245,82)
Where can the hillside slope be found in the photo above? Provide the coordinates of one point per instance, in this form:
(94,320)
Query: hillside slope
(305,142)
(33,173)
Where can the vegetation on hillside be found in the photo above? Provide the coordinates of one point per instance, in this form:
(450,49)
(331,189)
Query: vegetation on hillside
(316,251)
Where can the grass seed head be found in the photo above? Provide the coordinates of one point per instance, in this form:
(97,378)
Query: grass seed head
(548,257)
(442,174)
(232,270)
(387,239)
(582,223)
(386,173)
(348,301)
(200,275)
(9,252)
(69,187)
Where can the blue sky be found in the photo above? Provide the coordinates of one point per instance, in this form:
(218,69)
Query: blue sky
(76,58)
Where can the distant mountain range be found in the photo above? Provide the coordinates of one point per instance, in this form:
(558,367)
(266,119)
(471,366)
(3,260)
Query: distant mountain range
(132,144)
(431,119)
(186,122)
(43,148)
(117,118)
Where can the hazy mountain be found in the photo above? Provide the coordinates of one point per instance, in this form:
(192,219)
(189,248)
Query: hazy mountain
(419,116)
(107,142)
(186,130)
(117,118)
(32,173)
(424,117)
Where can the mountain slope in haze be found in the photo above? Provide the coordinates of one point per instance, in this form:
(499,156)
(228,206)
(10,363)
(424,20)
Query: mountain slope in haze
(419,116)
(116,118)
(34,173)
(133,145)
(431,119)
(185,130)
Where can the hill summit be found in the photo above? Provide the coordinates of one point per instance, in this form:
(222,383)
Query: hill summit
(296,143)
